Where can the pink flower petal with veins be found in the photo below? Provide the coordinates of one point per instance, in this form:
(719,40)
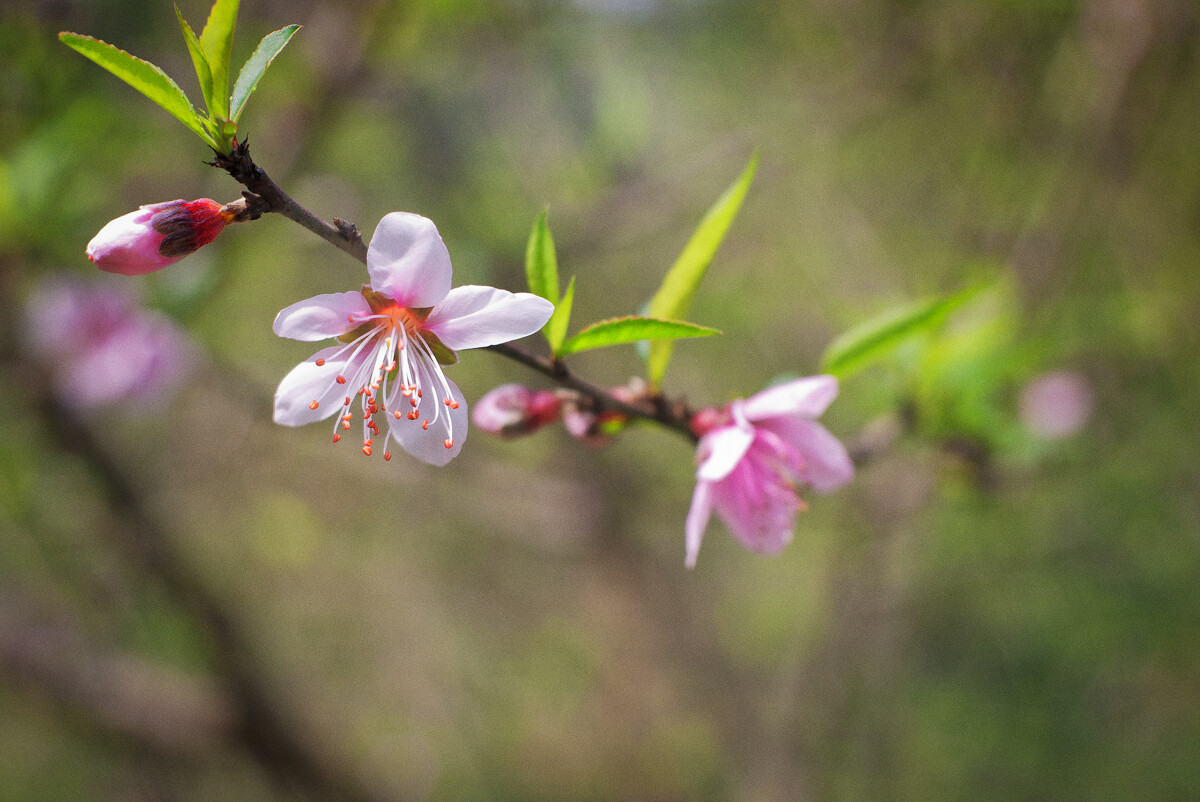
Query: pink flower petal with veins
(408,262)
(322,316)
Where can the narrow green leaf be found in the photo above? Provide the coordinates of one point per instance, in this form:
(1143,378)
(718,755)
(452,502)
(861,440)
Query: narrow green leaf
(216,40)
(253,69)
(541,262)
(199,60)
(142,76)
(556,327)
(876,337)
(622,330)
(678,288)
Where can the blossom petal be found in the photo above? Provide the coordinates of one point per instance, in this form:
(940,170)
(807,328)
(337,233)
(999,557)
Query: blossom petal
(757,505)
(721,450)
(697,521)
(322,316)
(408,262)
(308,382)
(806,398)
(429,444)
(473,316)
(827,465)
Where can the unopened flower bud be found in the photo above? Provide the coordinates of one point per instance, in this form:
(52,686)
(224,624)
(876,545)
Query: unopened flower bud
(511,410)
(597,429)
(705,420)
(158,235)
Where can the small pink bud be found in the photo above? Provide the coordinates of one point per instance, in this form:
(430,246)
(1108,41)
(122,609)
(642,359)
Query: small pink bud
(706,420)
(511,410)
(157,235)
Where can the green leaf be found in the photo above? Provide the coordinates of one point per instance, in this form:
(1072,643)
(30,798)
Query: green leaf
(541,263)
(142,76)
(253,69)
(678,288)
(876,337)
(622,330)
(556,327)
(199,60)
(216,40)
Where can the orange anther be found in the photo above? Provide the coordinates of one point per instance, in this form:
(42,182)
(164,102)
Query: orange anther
(341,380)
(314,404)
(413,414)
(367,450)
(387,455)
(425,423)
(320,362)
(449,443)
(336,437)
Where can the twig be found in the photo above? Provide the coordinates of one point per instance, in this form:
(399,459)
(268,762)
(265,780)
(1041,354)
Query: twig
(273,199)
(267,196)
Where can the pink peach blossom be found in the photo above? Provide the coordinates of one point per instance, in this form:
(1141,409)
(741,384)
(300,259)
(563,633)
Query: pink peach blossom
(395,334)
(101,347)
(753,456)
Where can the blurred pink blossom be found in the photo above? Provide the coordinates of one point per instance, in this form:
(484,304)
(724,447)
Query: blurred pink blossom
(753,456)
(157,235)
(395,335)
(1056,404)
(102,347)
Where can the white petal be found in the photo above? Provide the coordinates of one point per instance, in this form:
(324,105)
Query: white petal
(806,398)
(475,316)
(309,382)
(722,449)
(429,445)
(408,261)
(697,521)
(827,465)
(322,316)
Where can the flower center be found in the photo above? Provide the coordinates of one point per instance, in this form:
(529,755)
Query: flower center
(391,364)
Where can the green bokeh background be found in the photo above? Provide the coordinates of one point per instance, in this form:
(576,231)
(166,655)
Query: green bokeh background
(980,615)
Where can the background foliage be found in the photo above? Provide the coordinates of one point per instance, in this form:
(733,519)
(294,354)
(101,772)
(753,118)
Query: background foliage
(981,615)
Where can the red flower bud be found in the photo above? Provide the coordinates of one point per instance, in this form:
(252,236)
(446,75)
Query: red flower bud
(157,235)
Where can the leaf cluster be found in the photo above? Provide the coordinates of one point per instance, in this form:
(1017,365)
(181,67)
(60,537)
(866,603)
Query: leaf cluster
(664,320)
(210,52)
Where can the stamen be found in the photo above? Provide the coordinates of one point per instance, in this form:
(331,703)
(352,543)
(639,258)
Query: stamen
(314,404)
(449,443)
(367,450)
(320,362)
(340,379)
(425,424)
(336,437)
(413,414)
(387,455)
